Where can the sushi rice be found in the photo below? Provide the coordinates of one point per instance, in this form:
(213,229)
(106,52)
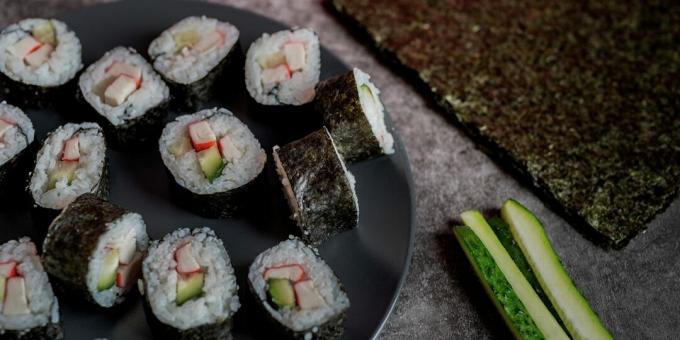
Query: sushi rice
(16,138)
(298,89)
(374,110)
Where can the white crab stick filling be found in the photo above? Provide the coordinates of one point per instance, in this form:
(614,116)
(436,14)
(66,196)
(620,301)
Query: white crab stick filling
(32,51)
(124,80)
(279,66)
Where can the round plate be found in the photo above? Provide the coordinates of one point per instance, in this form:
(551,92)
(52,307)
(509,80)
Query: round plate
(371,260)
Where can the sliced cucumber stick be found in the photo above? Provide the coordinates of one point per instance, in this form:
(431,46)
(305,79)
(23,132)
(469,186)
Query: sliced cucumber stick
(581,321)
(497,287)
(540,314)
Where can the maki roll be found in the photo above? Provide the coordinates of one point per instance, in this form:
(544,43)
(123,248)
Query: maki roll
(129,97)
(189,286)
(37,56)
(214,160)
(192,54)
(28,307)
(16,136)
(94,249)
(71,162)
(352,111)
(283,68)
(318,187)
(299,291)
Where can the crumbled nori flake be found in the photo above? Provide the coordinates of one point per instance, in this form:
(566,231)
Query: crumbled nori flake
(581,97)
(337,100)
(50,331)
(322,192)
(72,240)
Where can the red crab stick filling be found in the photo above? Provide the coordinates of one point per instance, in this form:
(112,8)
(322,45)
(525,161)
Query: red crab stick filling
(121,265)
(12,290)
(36,49)
(123,79)
(67,164)
(289,287)
(279,66)
(5,125)
(190,275)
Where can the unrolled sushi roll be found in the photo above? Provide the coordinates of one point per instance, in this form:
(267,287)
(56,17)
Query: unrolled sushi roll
(192,54)
(318,187)
(71,162)
(94,249)
(352,111)
(284,67)
(16,136)
(214,160)
(189,286)
(130,99)
(299,291)
(37,56)
(28,307)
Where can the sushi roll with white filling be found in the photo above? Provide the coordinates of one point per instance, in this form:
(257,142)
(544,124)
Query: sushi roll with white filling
(283,68)
(37,56)
(129,97)
(28,307)
(318,187)
(299,291)
(189,286)
(353,113)
(214,160)
(71,162)
(192,55)
(94,249)
(16,138)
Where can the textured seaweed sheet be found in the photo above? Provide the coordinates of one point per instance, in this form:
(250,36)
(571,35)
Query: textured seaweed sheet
(580,97)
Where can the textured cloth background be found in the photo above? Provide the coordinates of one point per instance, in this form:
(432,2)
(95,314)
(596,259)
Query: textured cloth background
(635,290)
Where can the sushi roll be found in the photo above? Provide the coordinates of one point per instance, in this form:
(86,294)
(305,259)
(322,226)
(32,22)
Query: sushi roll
(299,291)
(129,98)
(16,137)
(214,160)
(189,286)
(318,187)
(283,68)
(28,307)
(38,56)
(351,109)
(94,249)
(71,162)
(192,55)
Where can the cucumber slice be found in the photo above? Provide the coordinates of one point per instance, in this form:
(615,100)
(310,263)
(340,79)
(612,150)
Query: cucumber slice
(181,146)
(64,170)
(497,287)
(211,162)
(186,39)
(544,320)
(3,281)
(189,287)
(581,321)
(281,293)
(502,231)
(44,32)
(107,273)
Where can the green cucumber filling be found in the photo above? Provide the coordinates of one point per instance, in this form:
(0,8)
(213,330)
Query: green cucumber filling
(288,287)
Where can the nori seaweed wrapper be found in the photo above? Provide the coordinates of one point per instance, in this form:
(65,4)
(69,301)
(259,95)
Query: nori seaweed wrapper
(581,99)
(72,239)
(189,97)
(337,100)
(322,191)
(228,204)
(331,329)
(50,331)
(14,176)
(38,97)
(141,131)
(162,331)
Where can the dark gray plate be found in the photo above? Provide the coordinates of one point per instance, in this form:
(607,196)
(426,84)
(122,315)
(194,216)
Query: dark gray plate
(371,260)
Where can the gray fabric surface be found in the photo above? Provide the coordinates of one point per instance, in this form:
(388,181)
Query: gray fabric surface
(635,290)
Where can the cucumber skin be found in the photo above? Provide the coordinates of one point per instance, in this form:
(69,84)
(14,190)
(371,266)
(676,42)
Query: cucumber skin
(497,287)
(597,329)
(502,231)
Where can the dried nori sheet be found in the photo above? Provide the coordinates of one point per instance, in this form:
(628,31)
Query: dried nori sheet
(581,97)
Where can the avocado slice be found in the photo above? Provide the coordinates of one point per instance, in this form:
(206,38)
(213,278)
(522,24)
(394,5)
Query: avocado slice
(189,287)
(211,162)
(107,273)
(44,32)
(580,320)
(186,39)
(181,146)
(64,170)
(281,293)
(3,281)
(537,311)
